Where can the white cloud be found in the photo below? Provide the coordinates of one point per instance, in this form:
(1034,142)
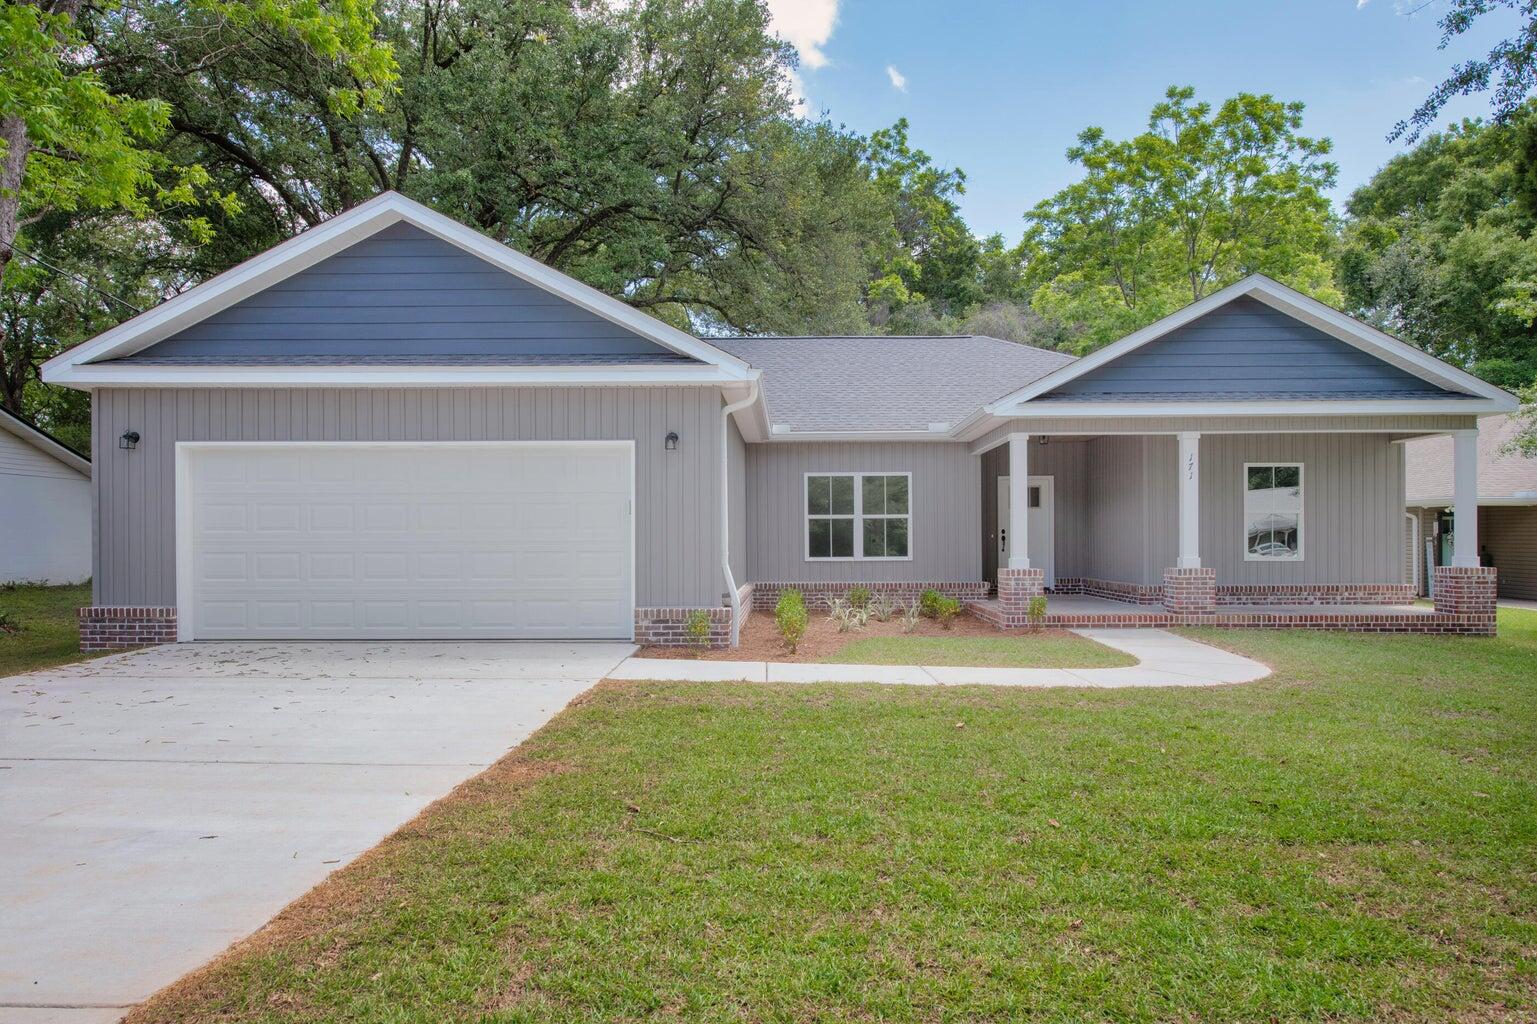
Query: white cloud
(1362,3)
(806,25)
(898,80)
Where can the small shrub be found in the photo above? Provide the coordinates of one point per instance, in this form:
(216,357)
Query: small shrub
(790,617)
(698,629)
(9,623)
(1036,612)
(859,597)
(929,603)
(946,609)
(910,616)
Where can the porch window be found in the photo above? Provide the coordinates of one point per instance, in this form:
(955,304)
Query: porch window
(1272,512)
(858,515)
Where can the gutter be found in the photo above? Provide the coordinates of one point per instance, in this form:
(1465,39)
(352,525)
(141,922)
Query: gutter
(732,599)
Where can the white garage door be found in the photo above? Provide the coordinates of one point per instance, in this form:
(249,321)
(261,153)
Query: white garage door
(402,541)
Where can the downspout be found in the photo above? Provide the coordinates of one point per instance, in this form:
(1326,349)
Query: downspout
(732,599)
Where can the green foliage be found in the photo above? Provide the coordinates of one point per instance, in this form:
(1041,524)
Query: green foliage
(928,603)
(1202,198)
(697,628)
(859,597)
(1036,611)
(1438,248)
(790,617)
(1511,64)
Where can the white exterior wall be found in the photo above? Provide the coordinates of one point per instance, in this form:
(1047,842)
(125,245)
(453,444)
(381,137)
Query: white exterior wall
(45,516)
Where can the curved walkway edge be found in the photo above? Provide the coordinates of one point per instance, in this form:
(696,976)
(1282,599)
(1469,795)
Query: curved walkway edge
(1164,660)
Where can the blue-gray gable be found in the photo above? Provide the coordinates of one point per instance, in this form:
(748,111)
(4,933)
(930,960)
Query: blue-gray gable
(403,296)
(1246,349)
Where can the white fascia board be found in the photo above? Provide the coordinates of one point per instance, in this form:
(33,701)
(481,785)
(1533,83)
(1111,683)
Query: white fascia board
(1278,407)
(1503,501)
(111,375)
(42,442)
(1287,300)
(331,237)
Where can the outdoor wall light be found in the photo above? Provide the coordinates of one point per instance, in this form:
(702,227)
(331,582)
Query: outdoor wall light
(129,440)
(670,442)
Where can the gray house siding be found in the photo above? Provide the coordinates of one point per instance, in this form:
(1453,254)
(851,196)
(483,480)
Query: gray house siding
(677,493)
(1246,347)
(1122,522)
(405,295)
(946,511)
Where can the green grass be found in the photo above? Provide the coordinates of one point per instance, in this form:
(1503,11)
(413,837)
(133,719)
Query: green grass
(47,632)
(1044,650)
(1352,839)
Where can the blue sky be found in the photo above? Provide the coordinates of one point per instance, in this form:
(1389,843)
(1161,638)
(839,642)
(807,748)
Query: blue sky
(1000,89)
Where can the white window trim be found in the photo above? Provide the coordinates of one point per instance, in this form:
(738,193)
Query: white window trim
(1243,513)
(859,516)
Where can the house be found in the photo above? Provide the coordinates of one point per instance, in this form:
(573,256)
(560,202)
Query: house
(391,426)
(1507,507)
(45,506)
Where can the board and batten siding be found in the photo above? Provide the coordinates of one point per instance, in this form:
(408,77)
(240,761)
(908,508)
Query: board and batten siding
(1509,534)
(946,511)
(677,493)
(1246,347)
(403,294)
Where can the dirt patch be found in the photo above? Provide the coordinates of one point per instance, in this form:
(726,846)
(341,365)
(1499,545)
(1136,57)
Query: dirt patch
(761,640)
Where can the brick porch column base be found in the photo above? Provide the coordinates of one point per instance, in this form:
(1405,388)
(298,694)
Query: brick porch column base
(1190,591)
(1467,591)
(1015,589)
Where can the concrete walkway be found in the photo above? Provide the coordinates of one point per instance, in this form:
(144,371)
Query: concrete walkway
(157,806)
(1165,660)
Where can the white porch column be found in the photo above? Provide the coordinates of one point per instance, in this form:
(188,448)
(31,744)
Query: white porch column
(1189,501)
(1465,497)
(1019,501)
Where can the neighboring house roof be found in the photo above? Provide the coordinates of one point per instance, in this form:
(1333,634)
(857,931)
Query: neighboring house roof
(1503,478)
(277,276)
(885,383)
(44,442)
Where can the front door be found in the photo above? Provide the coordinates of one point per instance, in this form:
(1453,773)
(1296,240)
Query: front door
(1041,525)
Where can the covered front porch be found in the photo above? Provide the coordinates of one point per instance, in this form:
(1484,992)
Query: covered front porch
(1123,525)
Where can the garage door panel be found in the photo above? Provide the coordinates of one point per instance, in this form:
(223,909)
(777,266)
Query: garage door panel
(427,541)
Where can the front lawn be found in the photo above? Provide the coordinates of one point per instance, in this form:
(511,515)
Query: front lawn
(1352,839)
(42,630)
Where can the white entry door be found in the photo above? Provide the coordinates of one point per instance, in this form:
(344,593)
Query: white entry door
(405,541)
(1041,524)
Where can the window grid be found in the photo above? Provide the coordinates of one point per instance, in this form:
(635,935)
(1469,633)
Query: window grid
(859,521)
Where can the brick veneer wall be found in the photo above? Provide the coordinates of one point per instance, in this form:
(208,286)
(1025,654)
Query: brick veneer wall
(1115,590)
(1190,591)
(1467,592)
(766,595)
(1016,588)
(115,628)
(1318,593)
(1302,618)
(668,627)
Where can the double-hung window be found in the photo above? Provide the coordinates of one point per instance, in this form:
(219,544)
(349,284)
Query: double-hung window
(1272,512)
(858,515)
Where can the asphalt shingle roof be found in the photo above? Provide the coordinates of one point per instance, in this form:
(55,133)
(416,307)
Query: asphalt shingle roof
(1428,465)
(886,382)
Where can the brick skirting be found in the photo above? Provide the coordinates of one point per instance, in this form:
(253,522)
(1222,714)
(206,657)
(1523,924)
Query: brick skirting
(116,628)
(1016,589)
(1303,618)
(1316,594)
(668,627)
(1114,590)
(766,595)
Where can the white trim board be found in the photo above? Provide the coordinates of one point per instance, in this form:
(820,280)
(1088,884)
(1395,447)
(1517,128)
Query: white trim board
(1286,300)
(331,237)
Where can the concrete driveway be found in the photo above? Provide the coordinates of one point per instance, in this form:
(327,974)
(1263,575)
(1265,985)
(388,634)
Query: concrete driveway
(159,805)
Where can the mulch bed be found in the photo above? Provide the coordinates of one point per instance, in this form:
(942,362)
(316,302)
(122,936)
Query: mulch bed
(761,640)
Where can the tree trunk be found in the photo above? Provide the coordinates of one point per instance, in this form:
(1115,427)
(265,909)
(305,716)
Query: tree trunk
(13,132)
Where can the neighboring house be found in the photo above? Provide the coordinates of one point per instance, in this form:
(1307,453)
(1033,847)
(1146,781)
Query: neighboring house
(45,506)
(391,426)
(1507,507)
